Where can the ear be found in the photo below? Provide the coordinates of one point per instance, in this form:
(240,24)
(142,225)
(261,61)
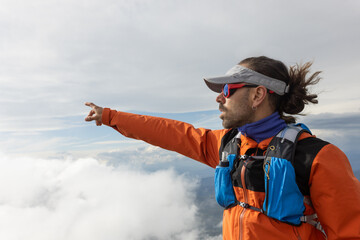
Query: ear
(258,96)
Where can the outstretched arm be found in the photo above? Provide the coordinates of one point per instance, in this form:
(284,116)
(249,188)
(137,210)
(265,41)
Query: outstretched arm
(197,143)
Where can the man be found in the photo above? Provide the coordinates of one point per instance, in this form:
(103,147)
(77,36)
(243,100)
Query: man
(257,99)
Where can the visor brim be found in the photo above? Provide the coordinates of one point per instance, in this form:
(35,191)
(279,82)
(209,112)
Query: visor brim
(216,83)
(240,74)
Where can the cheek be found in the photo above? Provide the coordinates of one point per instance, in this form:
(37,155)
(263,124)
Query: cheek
(241,106)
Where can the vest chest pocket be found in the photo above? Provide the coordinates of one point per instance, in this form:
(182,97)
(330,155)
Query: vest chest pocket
(224,192)
(254,175)
(283,200)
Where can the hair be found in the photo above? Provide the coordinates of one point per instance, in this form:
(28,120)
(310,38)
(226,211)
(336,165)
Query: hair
(293,102)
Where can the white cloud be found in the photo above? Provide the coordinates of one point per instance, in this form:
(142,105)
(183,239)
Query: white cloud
(83,199)
(152,158)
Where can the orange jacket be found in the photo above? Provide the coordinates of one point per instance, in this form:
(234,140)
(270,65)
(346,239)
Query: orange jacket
(334,190)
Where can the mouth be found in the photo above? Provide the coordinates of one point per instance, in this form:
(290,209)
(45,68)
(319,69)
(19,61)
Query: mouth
(222,108)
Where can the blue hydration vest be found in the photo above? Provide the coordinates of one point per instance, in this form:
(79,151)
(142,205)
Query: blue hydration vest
(283,198)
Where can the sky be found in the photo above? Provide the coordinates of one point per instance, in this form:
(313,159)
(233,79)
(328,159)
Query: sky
(149,57)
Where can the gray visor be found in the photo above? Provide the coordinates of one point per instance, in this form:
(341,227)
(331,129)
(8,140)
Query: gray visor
(240,74)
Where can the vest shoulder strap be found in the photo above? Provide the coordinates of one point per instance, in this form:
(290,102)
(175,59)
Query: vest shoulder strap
(229,143)
(283,145)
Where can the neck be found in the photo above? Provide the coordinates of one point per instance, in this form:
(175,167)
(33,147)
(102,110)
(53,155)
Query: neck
(263,128)
(262,112)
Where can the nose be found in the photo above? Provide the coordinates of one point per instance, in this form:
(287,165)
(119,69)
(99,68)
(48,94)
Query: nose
(220,98)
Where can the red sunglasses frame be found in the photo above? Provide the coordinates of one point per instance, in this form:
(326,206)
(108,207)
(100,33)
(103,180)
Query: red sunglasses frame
(237,86)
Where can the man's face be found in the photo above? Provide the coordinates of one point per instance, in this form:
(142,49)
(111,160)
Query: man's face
(236,110)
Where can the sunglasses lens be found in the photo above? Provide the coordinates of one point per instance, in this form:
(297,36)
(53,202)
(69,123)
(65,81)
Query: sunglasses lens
(226,90)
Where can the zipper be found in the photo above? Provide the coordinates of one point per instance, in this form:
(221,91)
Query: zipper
(297,235)
(245,198)
(266,171)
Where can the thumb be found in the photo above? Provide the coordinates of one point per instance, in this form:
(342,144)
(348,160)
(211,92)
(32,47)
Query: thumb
(90,118)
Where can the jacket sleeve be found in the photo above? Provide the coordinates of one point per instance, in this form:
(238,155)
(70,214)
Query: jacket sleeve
(335,193)
(196,143)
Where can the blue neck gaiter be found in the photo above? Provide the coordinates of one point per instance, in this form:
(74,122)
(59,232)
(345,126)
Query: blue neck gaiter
(264,128)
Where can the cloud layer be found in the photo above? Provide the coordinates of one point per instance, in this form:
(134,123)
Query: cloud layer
(84,199)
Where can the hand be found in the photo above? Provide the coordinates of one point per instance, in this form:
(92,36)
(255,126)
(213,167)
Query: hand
(94,114)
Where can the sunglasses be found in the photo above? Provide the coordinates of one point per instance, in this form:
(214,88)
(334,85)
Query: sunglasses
(229,89)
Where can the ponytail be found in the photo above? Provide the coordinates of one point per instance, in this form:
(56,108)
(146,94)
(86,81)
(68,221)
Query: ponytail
(294,102)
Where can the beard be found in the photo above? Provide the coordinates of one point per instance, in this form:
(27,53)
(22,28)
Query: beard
(238,115)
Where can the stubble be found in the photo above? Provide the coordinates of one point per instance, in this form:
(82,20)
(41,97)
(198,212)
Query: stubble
(239,114)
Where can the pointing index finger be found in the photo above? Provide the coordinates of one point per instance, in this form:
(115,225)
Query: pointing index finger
(90,104)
